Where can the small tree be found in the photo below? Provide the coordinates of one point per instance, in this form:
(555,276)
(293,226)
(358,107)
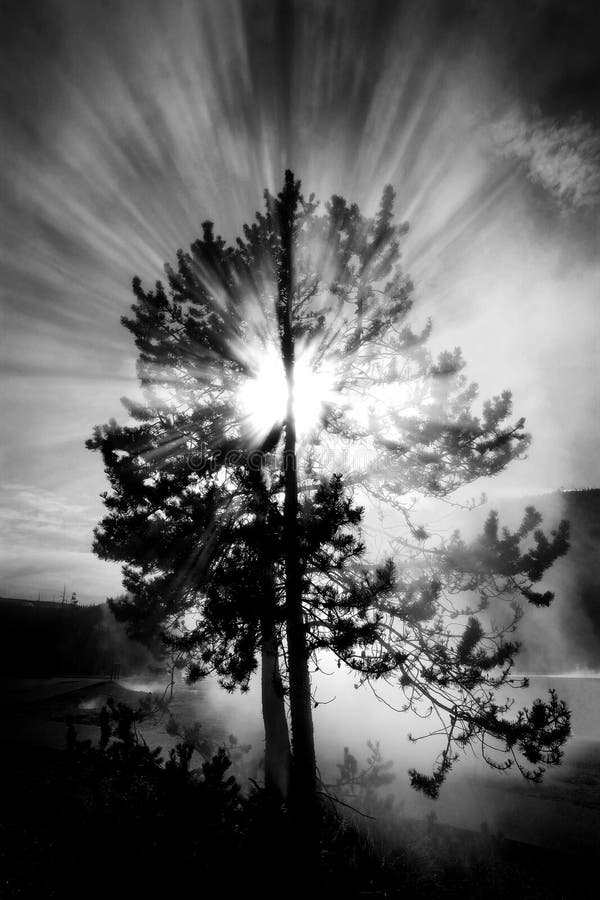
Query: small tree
(240,537)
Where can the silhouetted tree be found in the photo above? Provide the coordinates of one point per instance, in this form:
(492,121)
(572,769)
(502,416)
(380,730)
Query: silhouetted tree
(239,539)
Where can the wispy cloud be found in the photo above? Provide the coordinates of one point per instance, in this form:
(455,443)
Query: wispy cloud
(46,543)
(563,157)
(30,513)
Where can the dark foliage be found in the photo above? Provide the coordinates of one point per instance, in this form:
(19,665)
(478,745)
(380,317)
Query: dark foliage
(114,818)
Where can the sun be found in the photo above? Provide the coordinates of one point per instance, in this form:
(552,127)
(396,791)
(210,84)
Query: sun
(263,397)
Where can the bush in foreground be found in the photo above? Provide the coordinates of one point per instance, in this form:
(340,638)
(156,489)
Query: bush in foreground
(115,818)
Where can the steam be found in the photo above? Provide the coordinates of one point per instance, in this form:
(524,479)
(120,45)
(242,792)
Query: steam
(126,129)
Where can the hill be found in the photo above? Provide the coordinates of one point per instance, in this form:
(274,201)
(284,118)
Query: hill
(42,639)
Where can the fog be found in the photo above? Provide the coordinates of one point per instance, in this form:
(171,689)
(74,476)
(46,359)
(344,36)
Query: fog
(557,813)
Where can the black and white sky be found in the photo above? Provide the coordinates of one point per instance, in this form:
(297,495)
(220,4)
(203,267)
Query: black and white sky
(126,123)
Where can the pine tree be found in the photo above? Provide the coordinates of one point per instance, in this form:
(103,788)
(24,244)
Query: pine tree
(240,540)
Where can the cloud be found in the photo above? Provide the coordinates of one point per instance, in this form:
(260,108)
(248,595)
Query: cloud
(562,157)
(46,541)
(31,513)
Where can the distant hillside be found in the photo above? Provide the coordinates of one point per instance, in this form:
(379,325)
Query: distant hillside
(40,639)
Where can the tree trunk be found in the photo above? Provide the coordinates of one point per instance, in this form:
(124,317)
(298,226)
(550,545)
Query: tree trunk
(303,794)
(277,742)
(304,783)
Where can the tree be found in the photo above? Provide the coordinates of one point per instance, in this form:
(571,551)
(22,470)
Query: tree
(240,537)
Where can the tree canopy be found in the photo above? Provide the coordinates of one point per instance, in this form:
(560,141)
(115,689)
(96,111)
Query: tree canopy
(286,390)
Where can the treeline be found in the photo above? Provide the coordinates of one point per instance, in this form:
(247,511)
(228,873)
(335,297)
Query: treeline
(39,640)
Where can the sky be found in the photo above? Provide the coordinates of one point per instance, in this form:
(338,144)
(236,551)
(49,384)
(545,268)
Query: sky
(126,124)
